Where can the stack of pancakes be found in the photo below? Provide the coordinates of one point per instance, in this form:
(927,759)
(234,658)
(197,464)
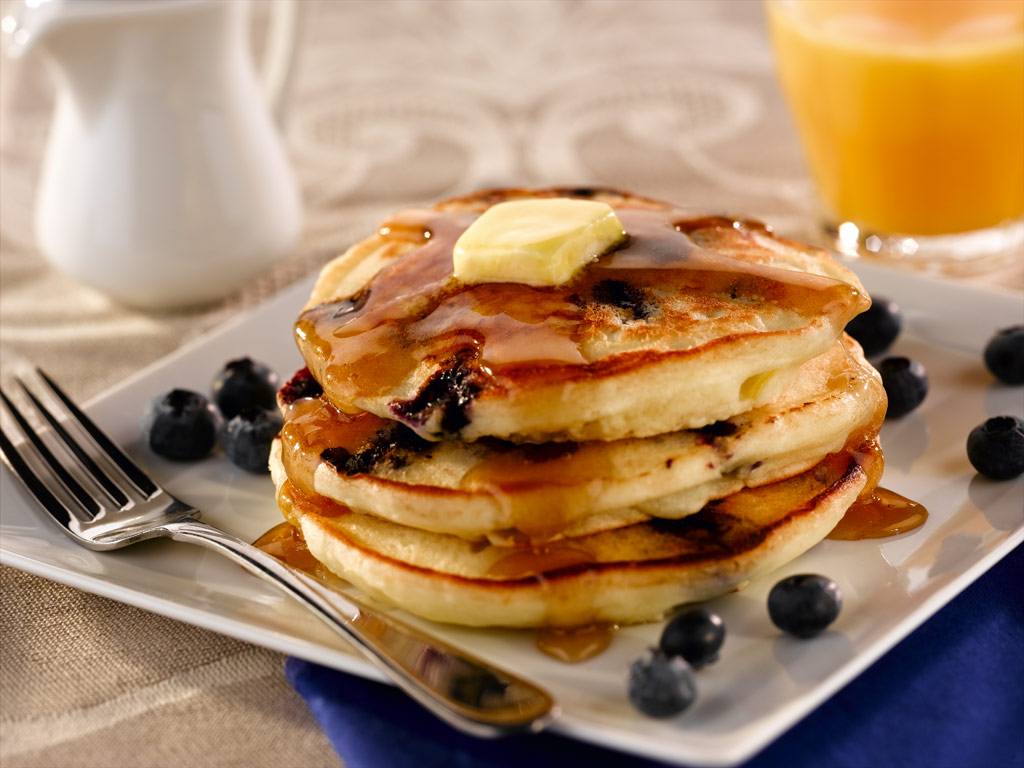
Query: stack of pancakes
(683,415)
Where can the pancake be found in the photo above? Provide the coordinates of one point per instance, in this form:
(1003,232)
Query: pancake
(508,492)
(631,574)
(680,417)
(693,320)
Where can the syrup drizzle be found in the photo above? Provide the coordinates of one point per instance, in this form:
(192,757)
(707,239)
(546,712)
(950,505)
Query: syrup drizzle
(313,427)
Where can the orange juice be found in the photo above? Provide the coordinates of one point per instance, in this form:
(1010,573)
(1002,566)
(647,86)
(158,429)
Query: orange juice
(911,111)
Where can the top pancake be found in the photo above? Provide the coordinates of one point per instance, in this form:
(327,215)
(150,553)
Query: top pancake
(692,320)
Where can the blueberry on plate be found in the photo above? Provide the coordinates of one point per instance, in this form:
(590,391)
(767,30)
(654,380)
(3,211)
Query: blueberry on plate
(1004,355)
(247,438)
(905,382)
(244,383)
(660,685)
(996,448)
(696,635)
(877,328)
(180,425)
(805,604)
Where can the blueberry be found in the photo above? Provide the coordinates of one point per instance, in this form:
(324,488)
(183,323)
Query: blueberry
(804,605)
(660,685)
(905,382)
(696,635)
(877,328)
(996,448)
(180,425)
(300,385)
(244,383)
(1004,355)
(247,438)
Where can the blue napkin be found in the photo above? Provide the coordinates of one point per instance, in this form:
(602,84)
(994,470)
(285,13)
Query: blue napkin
(949,696)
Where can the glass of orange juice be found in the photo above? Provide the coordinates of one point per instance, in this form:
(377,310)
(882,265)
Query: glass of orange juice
(911,115)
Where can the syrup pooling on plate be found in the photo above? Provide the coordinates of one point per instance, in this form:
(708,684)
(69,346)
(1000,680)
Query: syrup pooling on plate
(575,644)
(494,336)
(880,514)
(284,541)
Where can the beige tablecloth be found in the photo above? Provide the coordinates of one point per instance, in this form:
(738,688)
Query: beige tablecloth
(393,103)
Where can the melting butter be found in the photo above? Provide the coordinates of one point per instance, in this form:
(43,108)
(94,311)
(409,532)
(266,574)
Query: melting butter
(536,242)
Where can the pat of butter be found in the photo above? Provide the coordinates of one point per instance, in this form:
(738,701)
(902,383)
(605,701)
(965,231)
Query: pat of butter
(536,242)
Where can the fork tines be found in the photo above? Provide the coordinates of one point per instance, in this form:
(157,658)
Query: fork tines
(75,463)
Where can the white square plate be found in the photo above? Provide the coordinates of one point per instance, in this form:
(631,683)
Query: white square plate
(763,682)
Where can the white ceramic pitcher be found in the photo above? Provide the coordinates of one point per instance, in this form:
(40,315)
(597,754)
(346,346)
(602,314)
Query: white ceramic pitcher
(165,183)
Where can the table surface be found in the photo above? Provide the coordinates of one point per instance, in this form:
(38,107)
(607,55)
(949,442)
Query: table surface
(393,103)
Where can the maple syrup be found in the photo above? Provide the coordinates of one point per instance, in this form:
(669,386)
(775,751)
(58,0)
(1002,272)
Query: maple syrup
(312,425)
(542,486)
(285,542)
(291,500)
(575,644)
(514,467)
(536,561)
(880,514)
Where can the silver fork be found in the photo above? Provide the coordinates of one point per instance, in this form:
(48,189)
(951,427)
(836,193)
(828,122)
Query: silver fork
(103,500)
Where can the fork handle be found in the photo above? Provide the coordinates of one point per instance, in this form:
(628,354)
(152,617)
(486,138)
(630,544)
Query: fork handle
(465,691)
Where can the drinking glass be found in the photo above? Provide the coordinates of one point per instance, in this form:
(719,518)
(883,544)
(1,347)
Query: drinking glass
(911,117)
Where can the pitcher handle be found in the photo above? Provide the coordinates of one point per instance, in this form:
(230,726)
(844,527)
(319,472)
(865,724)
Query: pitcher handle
(279,55)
